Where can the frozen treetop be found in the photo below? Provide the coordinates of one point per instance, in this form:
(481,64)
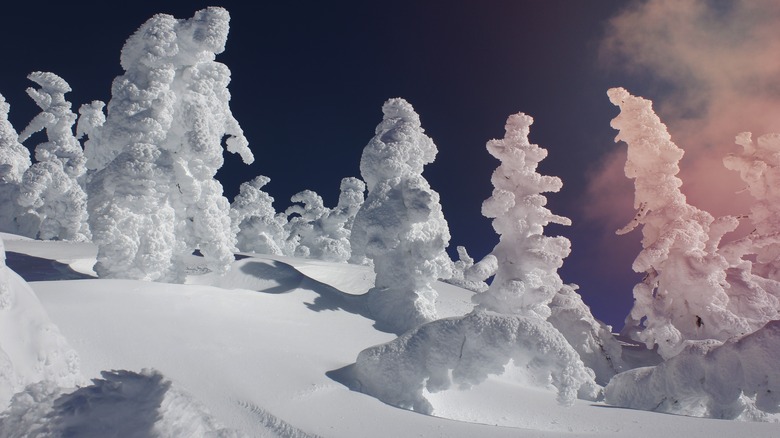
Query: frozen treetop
(400,150)
(652,156)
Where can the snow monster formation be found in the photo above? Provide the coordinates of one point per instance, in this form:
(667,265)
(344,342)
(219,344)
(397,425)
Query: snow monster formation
(400,226)
(14,161)
(510,321)
(153,198)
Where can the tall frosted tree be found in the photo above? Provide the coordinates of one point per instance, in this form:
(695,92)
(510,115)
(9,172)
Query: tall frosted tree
(526,277)
(14,161)
(153,196)
(51,189)
(400,226)
(690,291)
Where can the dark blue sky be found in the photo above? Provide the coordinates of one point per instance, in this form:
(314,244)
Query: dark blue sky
(310,77)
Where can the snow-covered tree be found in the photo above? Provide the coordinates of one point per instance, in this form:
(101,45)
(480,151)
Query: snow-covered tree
(759,167)
(526,279)
(153,196)
(51,189)
(14,161)
(686,295)
(257,225)
(525,262)
(462,276)
(400,225)
(319,232)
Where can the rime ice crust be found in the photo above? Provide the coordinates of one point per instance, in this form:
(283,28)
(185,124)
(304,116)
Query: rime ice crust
(14,161)
(153,197)
(51,189)
(692,291)
(400,226)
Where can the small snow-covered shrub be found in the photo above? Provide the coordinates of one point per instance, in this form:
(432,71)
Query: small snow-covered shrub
(464,351)
(257,225)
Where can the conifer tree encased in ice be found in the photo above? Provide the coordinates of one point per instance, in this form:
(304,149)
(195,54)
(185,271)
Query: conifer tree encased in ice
(256,224)
(400,225)
(14,161)
(153,196)
(51,189)
(526,279)
(685,295)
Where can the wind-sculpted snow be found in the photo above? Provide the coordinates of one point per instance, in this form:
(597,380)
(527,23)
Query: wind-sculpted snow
(14,161)
(121,404)
(686,294)
(31,346)
(51,189)
(462,273)
(400,226)
(464,351)
(736,380)
(153,197)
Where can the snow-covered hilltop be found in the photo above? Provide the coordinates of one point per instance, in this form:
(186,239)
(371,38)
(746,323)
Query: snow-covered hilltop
(194,316)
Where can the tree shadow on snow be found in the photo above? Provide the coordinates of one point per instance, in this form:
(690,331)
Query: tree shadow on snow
(288,279)
(32,268)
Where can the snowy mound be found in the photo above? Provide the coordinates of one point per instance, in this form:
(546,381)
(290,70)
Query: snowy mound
(465,351)
(31,346)
(121,404)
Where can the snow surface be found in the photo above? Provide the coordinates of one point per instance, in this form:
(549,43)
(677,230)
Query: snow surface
(261,355)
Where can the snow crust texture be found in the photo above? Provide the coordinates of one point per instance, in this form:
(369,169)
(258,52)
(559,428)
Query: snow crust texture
(400,227)
(153,196)
(121,404)
(464,351)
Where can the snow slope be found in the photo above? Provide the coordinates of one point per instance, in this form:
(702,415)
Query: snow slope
(261,353)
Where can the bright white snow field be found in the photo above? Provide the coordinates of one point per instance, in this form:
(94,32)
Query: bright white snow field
(260,352)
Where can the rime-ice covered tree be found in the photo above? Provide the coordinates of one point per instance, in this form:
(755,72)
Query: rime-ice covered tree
(685,295)
(526,279)
(322,233)
(257,225)
(51,189)
(153,196)
(759,167)
(400,226)
(14,161)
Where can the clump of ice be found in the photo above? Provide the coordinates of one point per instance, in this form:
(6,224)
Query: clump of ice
(52,189)
(153,198)
(464,351)
(736,380)
(462,276)
(14,161)
(121,404)
(400,226)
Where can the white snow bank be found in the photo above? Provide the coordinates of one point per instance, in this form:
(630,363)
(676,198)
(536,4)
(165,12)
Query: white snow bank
(465,351)
(121,404)
(31,346)
(736,380)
